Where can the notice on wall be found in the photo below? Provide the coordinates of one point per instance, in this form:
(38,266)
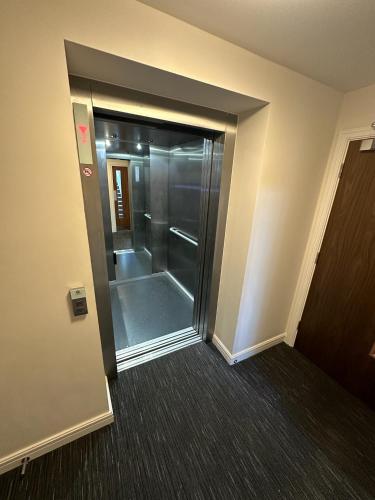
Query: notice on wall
(87,171)
(82,127)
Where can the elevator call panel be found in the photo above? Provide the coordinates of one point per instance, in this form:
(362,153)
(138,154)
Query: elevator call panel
(78,299)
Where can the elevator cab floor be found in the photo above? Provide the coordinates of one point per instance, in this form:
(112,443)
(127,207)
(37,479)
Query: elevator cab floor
(147,308)
(131,264)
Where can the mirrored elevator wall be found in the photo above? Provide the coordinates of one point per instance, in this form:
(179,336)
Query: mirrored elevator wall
(184,191)
(169,229)
(140,169)
(165,193)
(159,172)
(165,205)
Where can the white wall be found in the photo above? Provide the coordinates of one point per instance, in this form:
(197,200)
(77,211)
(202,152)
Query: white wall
(285,168)
(249,153)
(356,115)
(357,110)
(51,373)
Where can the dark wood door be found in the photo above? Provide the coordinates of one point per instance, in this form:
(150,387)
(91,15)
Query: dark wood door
(337,330)
(122,202)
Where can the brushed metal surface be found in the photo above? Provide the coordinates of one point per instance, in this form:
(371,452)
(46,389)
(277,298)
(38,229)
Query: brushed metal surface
(159,161)
(106,210)
(158,307)
(130,131)
(138,202)
(147,207)
(184,190)
(214,158)
(223,153)
(203,271)
(185,177)
(80,92)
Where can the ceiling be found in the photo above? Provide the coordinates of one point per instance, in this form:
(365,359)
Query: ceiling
(332,41)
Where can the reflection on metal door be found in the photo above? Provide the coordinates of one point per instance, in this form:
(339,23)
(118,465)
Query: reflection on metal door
(121,197)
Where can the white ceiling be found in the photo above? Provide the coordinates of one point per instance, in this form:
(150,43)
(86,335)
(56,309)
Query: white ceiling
(332,41)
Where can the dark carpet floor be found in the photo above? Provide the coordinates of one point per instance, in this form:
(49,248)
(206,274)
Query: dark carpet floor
(188,426)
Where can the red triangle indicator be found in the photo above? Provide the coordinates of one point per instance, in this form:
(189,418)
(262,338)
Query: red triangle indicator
(83,130)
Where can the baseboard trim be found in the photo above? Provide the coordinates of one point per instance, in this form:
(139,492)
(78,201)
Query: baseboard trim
(222,349)
(56,440)
(232,359)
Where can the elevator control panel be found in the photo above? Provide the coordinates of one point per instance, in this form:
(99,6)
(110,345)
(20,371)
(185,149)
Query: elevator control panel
(78,299)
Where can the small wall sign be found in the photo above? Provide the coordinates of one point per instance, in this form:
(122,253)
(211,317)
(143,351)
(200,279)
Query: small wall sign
(87,171)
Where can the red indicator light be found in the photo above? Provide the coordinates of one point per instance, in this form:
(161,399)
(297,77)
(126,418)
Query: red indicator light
(83,130)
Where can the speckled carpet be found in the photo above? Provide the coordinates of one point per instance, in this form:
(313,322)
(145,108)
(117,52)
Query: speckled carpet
(188,426)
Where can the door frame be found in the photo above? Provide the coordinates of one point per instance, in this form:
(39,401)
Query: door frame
(98,96)
(326,198)
(124,187)
(113,162)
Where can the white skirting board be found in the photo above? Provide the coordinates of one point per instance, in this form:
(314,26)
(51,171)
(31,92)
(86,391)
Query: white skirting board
(231,359)
(60,439)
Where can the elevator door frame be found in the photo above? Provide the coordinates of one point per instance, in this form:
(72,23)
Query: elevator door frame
(210,186)
(216,195)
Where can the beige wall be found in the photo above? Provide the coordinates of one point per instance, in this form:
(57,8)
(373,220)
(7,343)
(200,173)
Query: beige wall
(356,115)
(358,109)
(248,161)
(51,373)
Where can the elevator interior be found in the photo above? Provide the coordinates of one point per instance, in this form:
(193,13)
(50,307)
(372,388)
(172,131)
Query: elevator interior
(152,191)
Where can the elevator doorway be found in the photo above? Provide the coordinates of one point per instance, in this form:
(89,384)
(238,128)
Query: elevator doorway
(156,280)
(157,188)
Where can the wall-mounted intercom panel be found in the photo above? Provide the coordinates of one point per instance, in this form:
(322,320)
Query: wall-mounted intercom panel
(79,302)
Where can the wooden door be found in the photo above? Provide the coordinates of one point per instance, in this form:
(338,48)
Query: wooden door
(121,196)
(337,330)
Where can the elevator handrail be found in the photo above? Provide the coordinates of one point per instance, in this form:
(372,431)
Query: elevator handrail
(182,235)
(148,216)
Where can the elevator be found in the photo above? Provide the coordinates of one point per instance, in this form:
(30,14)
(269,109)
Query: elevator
(152,209)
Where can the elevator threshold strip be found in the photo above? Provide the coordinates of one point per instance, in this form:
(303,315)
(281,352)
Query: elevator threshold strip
(152,349)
